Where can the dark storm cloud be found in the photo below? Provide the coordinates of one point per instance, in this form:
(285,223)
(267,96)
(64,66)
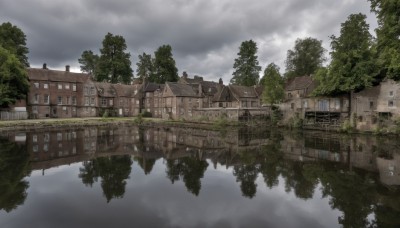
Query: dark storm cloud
(205,35)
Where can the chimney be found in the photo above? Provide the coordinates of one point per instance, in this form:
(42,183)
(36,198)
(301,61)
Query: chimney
(44,66)
(67,68)
(220,81)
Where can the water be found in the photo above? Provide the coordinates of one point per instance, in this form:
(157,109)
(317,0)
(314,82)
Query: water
(124,176)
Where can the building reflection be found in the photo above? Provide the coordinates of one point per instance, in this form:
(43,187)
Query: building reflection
(363,170)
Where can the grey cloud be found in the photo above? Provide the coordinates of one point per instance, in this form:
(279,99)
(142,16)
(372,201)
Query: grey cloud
(205,35)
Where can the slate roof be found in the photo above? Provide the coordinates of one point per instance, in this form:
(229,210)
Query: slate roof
(195,80)
(56,75)
(224,94)
(243,91)
(210,88)
(181,90)
(105,89)
(299,83)
(125,90)
(151,87)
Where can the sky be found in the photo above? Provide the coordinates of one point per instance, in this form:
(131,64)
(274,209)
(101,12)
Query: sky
(205,35)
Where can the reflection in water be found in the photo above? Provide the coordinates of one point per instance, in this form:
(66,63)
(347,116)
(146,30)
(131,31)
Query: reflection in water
(113,172)
(14,166)
(359,176)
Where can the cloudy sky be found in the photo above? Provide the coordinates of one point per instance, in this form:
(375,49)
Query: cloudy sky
(205,35)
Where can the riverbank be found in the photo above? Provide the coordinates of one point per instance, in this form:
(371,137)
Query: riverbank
(32,124)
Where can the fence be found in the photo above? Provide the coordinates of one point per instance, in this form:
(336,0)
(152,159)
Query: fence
(15,115)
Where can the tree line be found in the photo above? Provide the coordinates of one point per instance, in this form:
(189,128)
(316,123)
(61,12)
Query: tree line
(358,60)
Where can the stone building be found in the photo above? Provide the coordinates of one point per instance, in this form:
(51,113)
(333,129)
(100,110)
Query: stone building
(107,95)
(127,97)
(179,101)
(152,99)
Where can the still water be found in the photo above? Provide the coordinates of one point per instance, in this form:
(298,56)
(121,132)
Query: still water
(126,176)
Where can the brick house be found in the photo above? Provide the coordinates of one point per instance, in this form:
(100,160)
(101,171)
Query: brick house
(126,99)
(89,100)
(54,93)
(179,100)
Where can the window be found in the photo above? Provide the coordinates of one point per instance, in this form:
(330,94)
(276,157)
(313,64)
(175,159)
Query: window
(74,100)
(305,104)
(92,91)
(391,93)
(46,147)
(59,86)
(34,138)
(59,136)
(86,90)
(73,87)
(47,137)
(371,105)
(36,98)
(59,100)
(45,85)
(46,99)
(390,103)
(86,100)
(111,102)
(36,84)
(292,105)
(66,86)
(103,101)
(92,100)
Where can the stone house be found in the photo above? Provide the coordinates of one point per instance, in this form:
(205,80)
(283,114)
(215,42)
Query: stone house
(299,103)
(125,101)
(107,95)
(55,93)
(179,101)
(209,91)
(244,97)
(152,99)
(380,102)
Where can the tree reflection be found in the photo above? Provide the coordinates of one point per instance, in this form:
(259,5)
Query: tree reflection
(14,166)
(246,174)
(113,172)
(190,170)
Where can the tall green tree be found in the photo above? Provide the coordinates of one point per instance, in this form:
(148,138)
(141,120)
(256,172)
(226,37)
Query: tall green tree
(89,62)
(164,65)
(14,83)
(353,65)
(246,65)
(114,62)
(14,40)
(305,58)
(145,67)
(273,85)
(388,34)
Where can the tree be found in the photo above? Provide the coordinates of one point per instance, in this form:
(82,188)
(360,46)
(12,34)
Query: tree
(164,65)
(246,65)
(114,62)
(273,85)
(14,83)
(306,57)
(145,67)
(353,66)
(89,62)
(388,34)
(14,40)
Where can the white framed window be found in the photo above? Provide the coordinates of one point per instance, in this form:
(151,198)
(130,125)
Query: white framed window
(59,86)
(92,100)
(73,87)
(66,86)
(111,102)
(34,138)
(103,101)
(45,86)
(46,98)
(36,85)
(59,100)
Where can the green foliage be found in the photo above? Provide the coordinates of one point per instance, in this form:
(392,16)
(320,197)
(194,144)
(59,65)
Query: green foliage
(353,66)
(147,114)
(306,57)
(246,65)
(89,62)
(295,122)
(14,82)
(273,84)
(346,127)
(145,67)
(114,63)
(164,65)
(13,39)
(138,119)
(388,34)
